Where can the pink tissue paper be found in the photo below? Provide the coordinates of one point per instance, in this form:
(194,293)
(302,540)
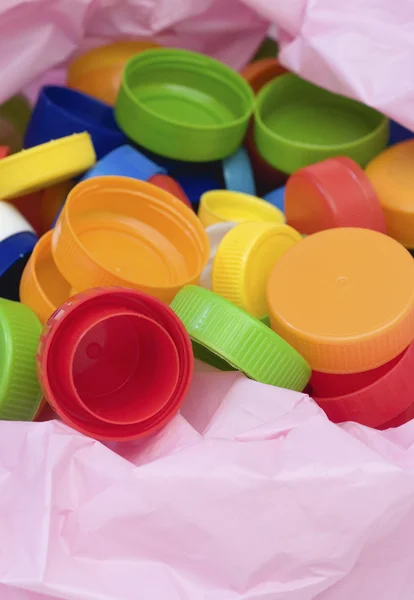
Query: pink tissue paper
(360,48)
(249,494)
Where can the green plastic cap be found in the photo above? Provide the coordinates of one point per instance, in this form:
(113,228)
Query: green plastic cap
(227,332)
(298,124)
(183,105)
(20,393)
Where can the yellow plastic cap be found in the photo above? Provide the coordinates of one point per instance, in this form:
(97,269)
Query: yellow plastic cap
(245,259)
(217,206)
(46,164)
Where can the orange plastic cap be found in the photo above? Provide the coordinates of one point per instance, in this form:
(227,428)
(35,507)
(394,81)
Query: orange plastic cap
(344,298)
(260,72)
(118,231)
(392,175)
(99,71)
(42,287)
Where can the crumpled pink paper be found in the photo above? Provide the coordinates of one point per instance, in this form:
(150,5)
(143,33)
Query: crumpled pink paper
(249,494)
(363,49)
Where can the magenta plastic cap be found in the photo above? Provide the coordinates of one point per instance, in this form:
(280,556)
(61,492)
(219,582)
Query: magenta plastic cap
(115,363)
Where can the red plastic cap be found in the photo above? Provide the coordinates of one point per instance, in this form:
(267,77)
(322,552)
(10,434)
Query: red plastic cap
(4,151)
(332,193)
(115,363)
(380,397)
(167,183)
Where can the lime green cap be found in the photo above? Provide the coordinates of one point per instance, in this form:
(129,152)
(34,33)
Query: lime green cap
(298,124)
(228,332)
(20,393)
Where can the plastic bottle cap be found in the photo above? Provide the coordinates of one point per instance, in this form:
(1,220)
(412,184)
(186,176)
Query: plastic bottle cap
(222,205)
(398,133)
(245,259)
(215,233)
(344,299)
(42,287)
(115,363)
(14,254)
(238,173)
(277,198)
(298,123)
(52,201)
(29,208)
(260,72)
(196,184)
(126,162)
(372,398)
(60,112)
(4,151)
(98,72)
(20,393)
(195,108)
(267,178)
(224,331)
(12,221)
(333,193)
(15,114)
(121,231)
(47,164)
(170,185)
(391,175)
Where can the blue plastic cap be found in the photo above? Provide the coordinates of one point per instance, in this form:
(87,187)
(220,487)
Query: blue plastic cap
(194,185)
(127,162)
(238,173)
(61,111)
(15,251)
(398,133)
(277,198)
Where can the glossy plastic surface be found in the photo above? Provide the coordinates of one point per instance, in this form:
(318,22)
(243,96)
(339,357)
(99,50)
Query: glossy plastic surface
(344,299)
(298,124)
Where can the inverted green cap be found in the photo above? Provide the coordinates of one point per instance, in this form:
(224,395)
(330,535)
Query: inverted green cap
(228,333)
(20,393)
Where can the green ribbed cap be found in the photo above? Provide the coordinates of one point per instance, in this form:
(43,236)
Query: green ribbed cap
(20,393)
(226,331)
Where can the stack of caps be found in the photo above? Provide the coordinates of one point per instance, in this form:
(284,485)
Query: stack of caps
(344,298)
(120,160)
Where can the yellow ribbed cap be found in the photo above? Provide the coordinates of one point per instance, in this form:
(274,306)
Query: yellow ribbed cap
(244,260)
(217,206)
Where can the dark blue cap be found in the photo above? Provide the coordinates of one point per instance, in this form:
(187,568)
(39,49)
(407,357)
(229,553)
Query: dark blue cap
(127,162)
(61,111)
(398,133)
(15,251)
(195,184)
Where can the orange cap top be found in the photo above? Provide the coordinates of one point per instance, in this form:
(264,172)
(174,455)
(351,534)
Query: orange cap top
(42,287)
(98,72)
(344,298)
(118,231)
(392,175)
(260,72)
